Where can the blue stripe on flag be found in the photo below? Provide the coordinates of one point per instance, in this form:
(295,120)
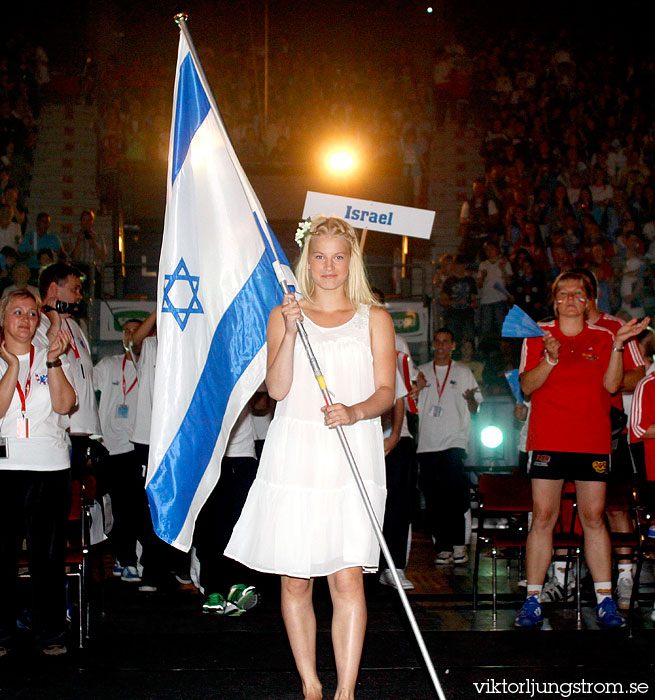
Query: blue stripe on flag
(190,111)
(184,464)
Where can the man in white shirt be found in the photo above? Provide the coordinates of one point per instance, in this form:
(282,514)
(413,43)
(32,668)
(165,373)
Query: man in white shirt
(493,274)
(218,574)
(60,286)
(115,377)
(451,395)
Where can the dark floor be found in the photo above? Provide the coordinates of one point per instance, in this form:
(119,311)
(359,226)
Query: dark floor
(160,646)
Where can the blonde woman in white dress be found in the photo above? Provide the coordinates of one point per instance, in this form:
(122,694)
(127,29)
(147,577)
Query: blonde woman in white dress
(304,516)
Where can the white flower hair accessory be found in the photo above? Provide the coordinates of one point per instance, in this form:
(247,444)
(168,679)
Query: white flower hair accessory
(303,230)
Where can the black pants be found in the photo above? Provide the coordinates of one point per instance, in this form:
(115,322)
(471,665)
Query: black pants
(158,558)
(125,486)
(446,491)
(34,505)
(399,465)
(216,521)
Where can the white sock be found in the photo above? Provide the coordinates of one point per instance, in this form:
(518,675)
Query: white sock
(603,590)
(625,571)
(559,571)
(533,589)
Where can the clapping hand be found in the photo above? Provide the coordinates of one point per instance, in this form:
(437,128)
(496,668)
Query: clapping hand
(59,344)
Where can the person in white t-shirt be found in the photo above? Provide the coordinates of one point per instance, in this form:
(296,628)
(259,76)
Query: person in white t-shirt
(115,377)
(493,276)
(60,286)
(451,395)
(35,495)
(399,459)
(157,557)
(219,575)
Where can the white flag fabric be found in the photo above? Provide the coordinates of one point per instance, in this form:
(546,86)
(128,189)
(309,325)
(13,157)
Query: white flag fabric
(216,289)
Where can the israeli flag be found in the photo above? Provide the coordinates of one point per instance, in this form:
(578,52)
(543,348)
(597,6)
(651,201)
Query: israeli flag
(216,288)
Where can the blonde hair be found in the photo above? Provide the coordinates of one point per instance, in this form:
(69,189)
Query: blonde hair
(357,289)
(16,294)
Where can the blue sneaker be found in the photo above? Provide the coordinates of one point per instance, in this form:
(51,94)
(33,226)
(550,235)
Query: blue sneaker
(608,615)
(130,574)
(118,569)
(530,613)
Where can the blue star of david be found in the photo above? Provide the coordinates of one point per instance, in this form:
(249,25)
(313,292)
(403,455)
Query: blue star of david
(181,275)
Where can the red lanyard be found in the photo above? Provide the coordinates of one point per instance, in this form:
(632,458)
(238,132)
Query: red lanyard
(73,344)
(125,393)
(28,383)
(441,388)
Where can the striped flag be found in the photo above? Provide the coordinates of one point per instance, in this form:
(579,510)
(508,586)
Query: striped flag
(216,288)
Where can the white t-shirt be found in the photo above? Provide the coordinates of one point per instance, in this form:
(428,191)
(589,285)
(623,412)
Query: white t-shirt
(242,437)
(46,448)
(450,428)
(10,236)
(116,378)
(494,282)
(260,424)
(144,389)
(401,346)
(387,417)
(83,419)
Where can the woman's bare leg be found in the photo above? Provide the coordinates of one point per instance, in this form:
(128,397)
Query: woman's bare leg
(546,496)
(300,623)
(591,510)
(348,627)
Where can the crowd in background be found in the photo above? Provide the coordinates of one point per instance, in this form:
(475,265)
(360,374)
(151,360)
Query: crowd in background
(568,146)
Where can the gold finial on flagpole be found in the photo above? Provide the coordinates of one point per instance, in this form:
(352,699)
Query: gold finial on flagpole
(181,17)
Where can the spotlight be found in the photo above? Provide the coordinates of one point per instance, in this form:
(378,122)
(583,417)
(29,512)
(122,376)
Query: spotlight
(491,436)
(341,161)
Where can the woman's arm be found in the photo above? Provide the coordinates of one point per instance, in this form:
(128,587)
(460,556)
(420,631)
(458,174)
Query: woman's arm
(281,340)
(62,394)
(383,347)
(614,374)
(534,378)
(9,379)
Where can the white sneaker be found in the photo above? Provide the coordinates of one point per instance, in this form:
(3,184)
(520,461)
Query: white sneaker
(652,613)
(460,555)
(624,593)
(386,579)
(404,581)
(444,557)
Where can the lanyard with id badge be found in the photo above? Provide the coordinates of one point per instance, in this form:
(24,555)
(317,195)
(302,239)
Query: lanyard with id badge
(122,410)
(22,423)
(437,409)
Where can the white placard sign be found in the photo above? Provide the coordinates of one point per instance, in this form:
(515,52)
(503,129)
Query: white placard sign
(375,216)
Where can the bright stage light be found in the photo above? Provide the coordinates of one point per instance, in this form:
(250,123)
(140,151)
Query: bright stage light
(429,10)
(341,161)
(491,436)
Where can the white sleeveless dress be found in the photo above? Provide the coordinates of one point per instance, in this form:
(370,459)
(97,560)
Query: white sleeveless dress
(304,515)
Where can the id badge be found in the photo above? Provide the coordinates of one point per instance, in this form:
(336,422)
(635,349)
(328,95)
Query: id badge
(437,411)
(22,428)
(4,448)
(122,410)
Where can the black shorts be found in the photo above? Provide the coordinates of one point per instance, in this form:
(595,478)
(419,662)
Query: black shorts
(623,467)
(570,466)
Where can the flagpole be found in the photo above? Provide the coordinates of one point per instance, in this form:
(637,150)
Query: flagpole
(180,20)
